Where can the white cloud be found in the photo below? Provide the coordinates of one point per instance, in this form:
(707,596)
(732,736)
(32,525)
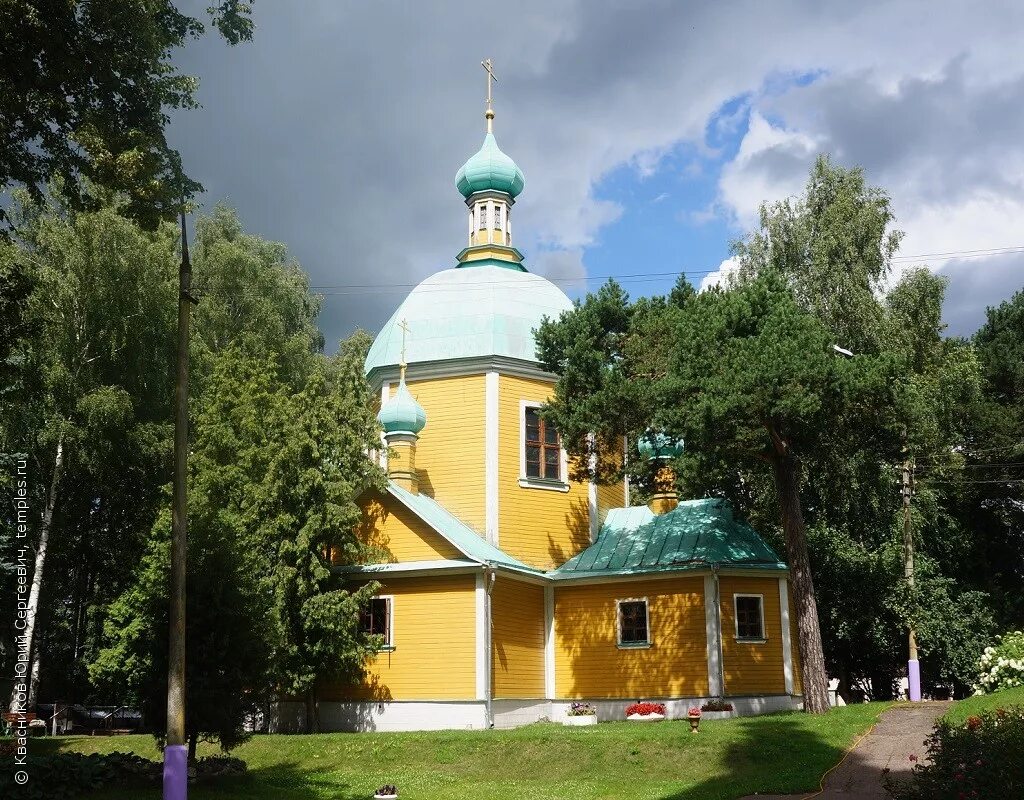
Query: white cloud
(339,130)
(722,275)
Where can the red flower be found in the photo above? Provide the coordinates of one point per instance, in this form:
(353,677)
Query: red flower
(973,723)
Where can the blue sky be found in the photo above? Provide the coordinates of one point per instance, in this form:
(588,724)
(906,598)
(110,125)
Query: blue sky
(649,132)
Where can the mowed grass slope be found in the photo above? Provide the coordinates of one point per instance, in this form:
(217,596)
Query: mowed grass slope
(970,706)
(727,759)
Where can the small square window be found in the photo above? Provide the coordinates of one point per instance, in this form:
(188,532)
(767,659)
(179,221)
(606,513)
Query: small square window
(633,624)
(375,619)
(749,617)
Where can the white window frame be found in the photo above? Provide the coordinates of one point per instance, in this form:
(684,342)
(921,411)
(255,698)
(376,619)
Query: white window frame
(389,646)
(736,619)
(527,482)
(618,624)
(496,223)
(481,224)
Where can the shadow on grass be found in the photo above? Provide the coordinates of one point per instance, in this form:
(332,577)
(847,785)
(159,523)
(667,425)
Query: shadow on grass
(772,756)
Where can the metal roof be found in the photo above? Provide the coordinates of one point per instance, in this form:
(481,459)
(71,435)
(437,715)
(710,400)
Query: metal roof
(694,535)
(464,312)
(458,533)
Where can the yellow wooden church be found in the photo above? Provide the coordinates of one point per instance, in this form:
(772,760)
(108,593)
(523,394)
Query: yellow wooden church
(509,590)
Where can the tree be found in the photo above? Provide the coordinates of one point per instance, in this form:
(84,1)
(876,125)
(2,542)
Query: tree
(84,94)
(96,358)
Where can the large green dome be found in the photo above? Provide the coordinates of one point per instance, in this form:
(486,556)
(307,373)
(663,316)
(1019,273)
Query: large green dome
(469,313)
(489,168)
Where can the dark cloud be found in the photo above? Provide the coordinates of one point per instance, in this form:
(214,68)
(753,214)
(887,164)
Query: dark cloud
(339,129)
(977,284)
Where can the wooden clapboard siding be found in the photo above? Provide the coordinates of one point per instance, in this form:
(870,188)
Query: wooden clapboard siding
(588,662)
(435,644)
(518,639)
(399,535)
(541,527)
(450,450)
(752,668)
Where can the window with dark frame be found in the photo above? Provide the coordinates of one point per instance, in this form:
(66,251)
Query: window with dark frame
(633,628)
(375,619)
(543,448)
(748,618)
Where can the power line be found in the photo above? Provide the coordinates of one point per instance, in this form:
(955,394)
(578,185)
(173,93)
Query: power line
(333,290)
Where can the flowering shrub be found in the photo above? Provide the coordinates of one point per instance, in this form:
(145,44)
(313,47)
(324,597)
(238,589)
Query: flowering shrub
(978,759)
(644,709)
(581,710)
(693,712)
(717,704)
(1002,666)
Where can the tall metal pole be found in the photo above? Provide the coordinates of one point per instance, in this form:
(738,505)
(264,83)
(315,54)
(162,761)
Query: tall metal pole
(913,665)
(176,750)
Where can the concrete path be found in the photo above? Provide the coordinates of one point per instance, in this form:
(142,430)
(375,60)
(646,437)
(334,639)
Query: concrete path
(898,735)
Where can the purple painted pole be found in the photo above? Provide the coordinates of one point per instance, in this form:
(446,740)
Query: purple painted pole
(175,772)
(914,679)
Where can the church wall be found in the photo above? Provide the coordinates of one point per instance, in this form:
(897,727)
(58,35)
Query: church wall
(450,450)
(752,668)
(542,527)
(517,611)
(434,656)
(390,527)
(588,662)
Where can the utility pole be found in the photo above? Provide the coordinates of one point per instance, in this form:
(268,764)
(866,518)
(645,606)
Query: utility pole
(176,750)
(913,665)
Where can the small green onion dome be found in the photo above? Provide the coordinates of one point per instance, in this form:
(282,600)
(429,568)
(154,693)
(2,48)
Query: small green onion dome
(658,445)
(401,413)
(491,169)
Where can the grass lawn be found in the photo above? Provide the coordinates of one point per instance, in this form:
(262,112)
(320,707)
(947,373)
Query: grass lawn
(959,713)
(661,761)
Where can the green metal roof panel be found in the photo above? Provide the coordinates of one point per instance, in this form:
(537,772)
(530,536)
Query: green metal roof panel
(695,534)
(469,313)
(461,536)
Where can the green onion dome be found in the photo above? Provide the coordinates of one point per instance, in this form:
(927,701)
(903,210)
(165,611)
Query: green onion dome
(489,168)
(401,413)
(658,445)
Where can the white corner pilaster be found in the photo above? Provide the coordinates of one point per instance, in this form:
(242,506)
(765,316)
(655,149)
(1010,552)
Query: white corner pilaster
(491,457)
(714,635)
(549,642)
(787,643)
(481,637)
(592,499)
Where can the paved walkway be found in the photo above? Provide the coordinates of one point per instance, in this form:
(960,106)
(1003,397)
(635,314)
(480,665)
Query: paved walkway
(898,735)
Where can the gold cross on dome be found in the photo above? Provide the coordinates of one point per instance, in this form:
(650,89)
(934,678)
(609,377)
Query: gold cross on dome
(491,78)
(404,327)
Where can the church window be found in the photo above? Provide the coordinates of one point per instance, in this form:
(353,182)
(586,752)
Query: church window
(632,623)
(749,617)
(483,217)
(497,218)
(375,619)
(543,447)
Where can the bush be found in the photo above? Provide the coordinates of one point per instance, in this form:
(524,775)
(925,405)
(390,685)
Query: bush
(718,704)
(70,775)
(643,709)
(980,758)
(1002,666)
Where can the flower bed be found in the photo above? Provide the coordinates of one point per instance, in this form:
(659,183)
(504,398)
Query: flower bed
(646,712)
(580,714)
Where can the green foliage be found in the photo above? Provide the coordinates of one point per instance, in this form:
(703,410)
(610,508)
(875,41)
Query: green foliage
(1002,666)
(93,112)
(979,758)
(71,775)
